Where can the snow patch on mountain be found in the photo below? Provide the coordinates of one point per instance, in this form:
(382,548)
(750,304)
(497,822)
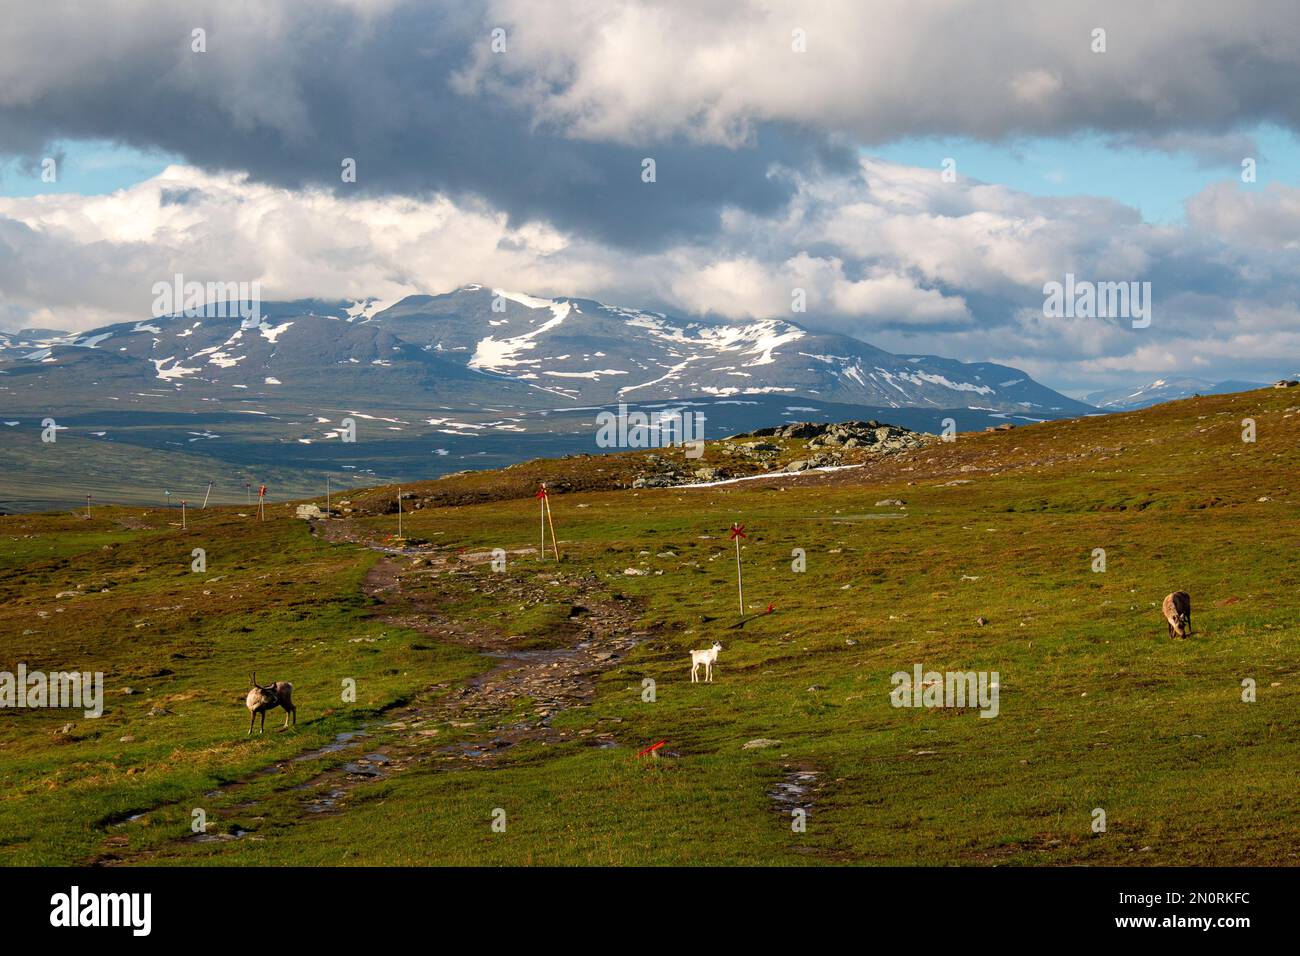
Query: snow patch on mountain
(271,333)
(176,372)
(496,355)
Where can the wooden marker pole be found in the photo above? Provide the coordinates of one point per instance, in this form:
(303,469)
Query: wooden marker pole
(261,502)
(738,532)
(541,515)
(399,512)
(87,506)
(182,514)
(327,496)
(205,496)
(543,499)
(555,546)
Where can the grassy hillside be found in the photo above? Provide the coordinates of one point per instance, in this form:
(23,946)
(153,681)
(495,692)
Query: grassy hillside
(1098,707)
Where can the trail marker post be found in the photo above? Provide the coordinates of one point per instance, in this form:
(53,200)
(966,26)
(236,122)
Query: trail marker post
(261,502)
(205,496)
(87,506)
(399,512)
(182,514)
(544,500)
(738,532)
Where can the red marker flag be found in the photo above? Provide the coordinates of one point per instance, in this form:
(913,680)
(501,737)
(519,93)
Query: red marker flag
(652,748)
(738,532)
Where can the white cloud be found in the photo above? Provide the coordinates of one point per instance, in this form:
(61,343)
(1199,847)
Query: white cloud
(711,71)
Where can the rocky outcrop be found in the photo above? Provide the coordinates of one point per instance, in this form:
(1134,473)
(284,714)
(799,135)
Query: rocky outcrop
(753,453)
(872,435)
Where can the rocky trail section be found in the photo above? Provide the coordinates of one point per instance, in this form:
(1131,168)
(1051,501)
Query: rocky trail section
(474,723)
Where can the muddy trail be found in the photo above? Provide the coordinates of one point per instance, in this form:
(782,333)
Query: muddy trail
(472,723)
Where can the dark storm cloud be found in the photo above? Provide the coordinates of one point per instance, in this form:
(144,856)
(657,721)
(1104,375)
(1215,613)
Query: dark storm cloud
(323,88)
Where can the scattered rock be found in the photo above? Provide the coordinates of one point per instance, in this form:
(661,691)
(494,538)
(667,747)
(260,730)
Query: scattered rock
(759,742)
(981,621)
(890,503)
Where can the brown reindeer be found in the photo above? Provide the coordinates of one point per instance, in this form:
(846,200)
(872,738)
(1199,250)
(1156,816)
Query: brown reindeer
(260,699)
(1177,610)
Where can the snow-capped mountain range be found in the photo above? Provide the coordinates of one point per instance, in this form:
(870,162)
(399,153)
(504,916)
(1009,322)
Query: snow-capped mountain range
(481,344)
(1162,390)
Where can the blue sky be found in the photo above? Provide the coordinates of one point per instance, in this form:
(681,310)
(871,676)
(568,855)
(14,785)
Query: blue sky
(1152,181)
(89,168)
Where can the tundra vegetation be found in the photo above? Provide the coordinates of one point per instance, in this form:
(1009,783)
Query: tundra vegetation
(1098,707)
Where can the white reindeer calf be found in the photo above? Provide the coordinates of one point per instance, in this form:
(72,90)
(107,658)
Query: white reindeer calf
(706,658)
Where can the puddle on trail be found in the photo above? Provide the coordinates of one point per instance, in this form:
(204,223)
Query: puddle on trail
(547,656)
(341,742)
(371,765)
(239,834)
(326,802)
(795,791)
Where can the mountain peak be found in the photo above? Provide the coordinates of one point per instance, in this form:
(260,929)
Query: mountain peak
(577,350)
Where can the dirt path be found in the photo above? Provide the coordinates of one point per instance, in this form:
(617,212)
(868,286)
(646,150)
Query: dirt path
(473,723)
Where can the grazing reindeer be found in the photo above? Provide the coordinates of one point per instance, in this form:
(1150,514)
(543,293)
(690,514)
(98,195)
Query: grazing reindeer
(1177,610)
(263,698)
(706,658)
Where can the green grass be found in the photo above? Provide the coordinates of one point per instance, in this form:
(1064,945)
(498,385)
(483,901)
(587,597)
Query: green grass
(1098,708)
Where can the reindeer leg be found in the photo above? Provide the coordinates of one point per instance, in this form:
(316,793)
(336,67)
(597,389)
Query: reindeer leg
(262,729)
(252,719)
